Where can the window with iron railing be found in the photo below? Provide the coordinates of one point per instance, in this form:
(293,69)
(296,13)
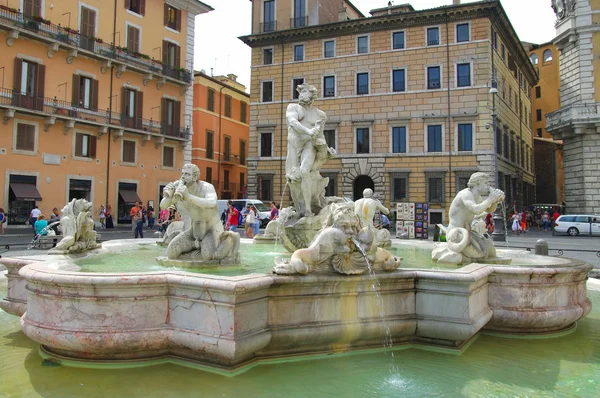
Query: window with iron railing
(465,137)
(433,77)
(362,83)
(299,52)
(399,191)
(434,138)
(269,16)
(397,40)
(362,43)
(463,75)
(399,139)
(433,36)
(398,80)
(329,49)
(329,86)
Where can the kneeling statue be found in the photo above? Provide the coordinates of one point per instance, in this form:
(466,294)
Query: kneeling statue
(77,227)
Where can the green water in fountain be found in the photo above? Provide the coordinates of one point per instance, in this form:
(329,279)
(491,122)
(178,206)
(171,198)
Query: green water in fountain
(255,258)
(567,366)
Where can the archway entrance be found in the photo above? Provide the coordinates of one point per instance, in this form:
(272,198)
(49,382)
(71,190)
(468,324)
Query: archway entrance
(361,183)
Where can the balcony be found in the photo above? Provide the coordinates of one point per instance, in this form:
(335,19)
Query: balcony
(71,39)
(229,159)
(266,27)
(53,109)
(574,116)
(299,22)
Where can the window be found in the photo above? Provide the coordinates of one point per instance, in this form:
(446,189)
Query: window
(362,83)
(29,85)
(210,100)
(208,177)
(299,14)
(465,137)
(299,52)
(505,144)
(513,150)
(362,44)
(539,132)
(547,55)
(399,186)
(227,148)
(538,91)
(227,106)
(433,77)
(433,36)
(463,75)
(330,138)
(267,56)
(434,138)
(87,28)
(32,8)
(171,54)
(534,59)
(397,40)
(330,189)
(295,83)
(435,189)
(462,179)
(329,49)
(168,159)
(28,75)
(210,144)
(137,6)
(503,52)
(329,86)
(498,141)
(398,80)
(243,112)
(172,17)
(85,145)
(85,92)
(226,180)
(538,115)
(267,91)
(133,39)
(399,139)
(128,154)
(242,181)
(268,16)
(266,145)
(265,188)
(362,140)
(462,32)
(495,39)
(242,152)
(130,102)
(25,137)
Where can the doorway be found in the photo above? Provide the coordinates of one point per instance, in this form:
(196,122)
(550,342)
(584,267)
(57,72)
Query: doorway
(361,183)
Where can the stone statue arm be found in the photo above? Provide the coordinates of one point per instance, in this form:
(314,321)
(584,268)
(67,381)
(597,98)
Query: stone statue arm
(476,208)
(292,117)
(382,208)
(209,199)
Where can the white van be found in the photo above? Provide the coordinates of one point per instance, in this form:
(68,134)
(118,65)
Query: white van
(240,204)
(574,224)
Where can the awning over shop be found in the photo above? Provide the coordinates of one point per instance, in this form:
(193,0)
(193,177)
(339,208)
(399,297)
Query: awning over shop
(25,191)
(129,196)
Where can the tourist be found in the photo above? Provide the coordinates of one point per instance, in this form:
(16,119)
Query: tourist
(384,222)
(249,222)
(109,220)
(54,218)
(233,217)
(135,215)
(40,225)
(256,225)
(546,221)
(150,217)
(2,221)
(102,217)
(554,217)
(274,212)
(33,216)
(516,223)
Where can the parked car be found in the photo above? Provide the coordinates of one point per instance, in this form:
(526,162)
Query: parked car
(578,224)
(240,204)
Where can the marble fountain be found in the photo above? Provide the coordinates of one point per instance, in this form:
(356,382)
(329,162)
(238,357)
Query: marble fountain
(344,287)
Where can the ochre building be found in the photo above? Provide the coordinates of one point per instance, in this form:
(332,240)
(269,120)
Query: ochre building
(416,100)
(95,101)
(220,142)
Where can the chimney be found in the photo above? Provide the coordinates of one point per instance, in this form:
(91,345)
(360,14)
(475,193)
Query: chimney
(232,77)
(342,16)
(456,2)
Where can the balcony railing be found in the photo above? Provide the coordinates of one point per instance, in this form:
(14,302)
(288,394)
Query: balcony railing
(66,36)
(266,27)
(464,81)
(575,114)
(299,22)
(53,107)
(231,159)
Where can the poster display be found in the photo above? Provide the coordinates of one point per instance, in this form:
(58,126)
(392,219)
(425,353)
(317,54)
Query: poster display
(412,219)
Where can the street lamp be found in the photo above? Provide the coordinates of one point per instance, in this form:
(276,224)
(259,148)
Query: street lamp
(498,234)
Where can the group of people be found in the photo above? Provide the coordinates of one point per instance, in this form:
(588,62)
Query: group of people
(141,216)
(166,216)
(521,222)
(249,218)
(106,218)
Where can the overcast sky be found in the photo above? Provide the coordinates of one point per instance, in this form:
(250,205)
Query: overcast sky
(217,32)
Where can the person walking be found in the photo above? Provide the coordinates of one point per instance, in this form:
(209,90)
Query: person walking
(232,217)
(256,220)
(139,224)
(249,222)
(102,217)
(274,211)
(2,220)
(546,221)
(135,215)
(33,216)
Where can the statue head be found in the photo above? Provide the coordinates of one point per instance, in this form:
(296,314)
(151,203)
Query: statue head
(368,193)
(312,93)
(190,173)
(478,179)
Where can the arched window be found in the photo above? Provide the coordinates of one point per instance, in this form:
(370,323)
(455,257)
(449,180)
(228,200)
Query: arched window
(534,59)
(547,56)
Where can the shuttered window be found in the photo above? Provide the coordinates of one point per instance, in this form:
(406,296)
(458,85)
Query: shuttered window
(210,102)
(172,17)
(32,8)
(85,92)
(85,145)
(25,137)
(228,106)
(168,156)
(243,112)
(209,144)
(128,155)
(171,54)
(133,39)
(137,6)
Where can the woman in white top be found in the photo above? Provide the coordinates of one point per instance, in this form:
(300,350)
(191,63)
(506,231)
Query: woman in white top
(250,219)
(102,217)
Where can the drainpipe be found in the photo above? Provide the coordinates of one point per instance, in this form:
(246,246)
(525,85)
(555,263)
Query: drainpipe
(281,111)
(220,119)
(449,110)
(110,98)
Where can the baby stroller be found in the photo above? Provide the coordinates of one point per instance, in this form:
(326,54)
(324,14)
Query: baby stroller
(42,244)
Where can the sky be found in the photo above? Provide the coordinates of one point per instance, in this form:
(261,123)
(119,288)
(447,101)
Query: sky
(218,51)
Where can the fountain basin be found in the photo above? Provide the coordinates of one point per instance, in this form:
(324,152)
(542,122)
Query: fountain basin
(232,321)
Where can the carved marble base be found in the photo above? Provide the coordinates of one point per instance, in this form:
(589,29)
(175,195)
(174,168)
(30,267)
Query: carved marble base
(196,261)
(443,255)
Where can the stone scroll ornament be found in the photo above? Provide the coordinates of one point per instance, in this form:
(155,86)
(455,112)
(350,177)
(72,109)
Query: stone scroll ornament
(77,226)
(466,237)
(202,241)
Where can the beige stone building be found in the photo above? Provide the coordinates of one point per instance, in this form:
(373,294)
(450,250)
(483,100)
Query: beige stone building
(407,94)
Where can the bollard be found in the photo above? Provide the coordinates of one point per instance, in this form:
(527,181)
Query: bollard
(541,247)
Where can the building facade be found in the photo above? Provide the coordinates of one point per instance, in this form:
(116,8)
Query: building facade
(95,101)
(220,144)
(576,122)
(407,94)
(545,98)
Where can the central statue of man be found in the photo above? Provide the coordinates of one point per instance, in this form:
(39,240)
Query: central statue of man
(306,152)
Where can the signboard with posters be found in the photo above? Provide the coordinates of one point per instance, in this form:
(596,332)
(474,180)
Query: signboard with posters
(412,219)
